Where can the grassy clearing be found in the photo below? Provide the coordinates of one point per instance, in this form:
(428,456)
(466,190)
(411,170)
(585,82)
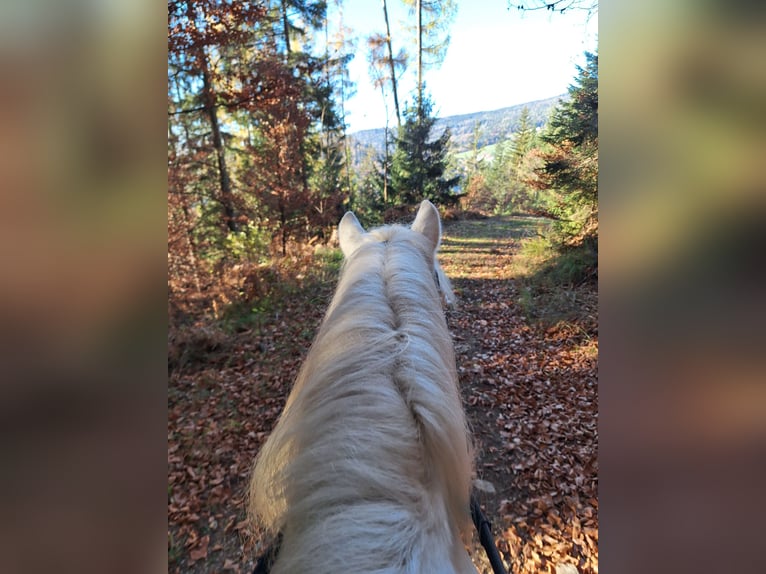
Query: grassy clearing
(498,227)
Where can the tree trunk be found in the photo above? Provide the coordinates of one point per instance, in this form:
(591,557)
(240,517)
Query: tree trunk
(346,143)
(190,244)
(391,64)
(208,101)
(286,26)
(420,60)
(226,198)
(283,224)
(385,165)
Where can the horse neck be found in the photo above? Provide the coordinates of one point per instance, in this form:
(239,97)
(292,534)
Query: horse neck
(371,458)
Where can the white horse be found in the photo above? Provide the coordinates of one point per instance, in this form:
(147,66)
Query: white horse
(369,467)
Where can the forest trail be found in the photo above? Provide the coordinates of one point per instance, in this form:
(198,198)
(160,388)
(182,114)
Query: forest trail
(530,394)
(531,397)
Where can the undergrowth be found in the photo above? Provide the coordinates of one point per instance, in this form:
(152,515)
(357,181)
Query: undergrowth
(554,279)
(251,297)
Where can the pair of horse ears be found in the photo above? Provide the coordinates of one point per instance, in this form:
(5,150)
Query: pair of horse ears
(351,233)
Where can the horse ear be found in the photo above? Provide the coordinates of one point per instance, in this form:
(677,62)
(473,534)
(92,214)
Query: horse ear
(428,223)
(350,233)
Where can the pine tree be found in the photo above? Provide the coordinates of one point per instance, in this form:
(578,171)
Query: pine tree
(570,162)
(576,120)
(419,164)
(475,161)
(385,67)
(393,63)
(524,138)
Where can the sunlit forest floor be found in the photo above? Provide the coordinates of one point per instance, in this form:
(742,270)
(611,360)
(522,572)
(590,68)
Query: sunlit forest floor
(527,360)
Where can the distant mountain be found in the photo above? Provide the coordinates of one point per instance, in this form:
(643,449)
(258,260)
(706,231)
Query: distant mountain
(494,126)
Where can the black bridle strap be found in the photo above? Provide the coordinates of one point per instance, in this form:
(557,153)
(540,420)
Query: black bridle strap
(484,528)
(265,560)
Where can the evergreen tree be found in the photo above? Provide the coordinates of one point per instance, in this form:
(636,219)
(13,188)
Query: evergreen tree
(420,163)
(341,47)
(370,202)
(576,120)
(475,162)
(384,69)
(524,138)
(500,185)
(500,177)
(570,162)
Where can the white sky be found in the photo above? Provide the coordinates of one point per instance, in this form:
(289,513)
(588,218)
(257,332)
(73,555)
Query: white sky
(496,57)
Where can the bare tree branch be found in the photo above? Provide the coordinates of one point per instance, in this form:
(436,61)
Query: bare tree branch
(591,6)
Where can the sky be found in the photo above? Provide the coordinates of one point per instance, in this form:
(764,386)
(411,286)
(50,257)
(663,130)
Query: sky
(496,58)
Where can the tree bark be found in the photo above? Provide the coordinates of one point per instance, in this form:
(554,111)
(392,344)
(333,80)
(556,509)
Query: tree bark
(391,64)
(190,244)
(420,60)
(208,101)
(283,225)
(385,165)
(226,198)
(286,26)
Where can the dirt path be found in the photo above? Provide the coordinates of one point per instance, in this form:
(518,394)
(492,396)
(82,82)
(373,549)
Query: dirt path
(531,399)
(530,394)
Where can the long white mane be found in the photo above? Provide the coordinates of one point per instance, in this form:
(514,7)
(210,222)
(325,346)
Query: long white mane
(369,467)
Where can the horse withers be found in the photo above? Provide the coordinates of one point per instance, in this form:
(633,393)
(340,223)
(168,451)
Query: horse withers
(369,466)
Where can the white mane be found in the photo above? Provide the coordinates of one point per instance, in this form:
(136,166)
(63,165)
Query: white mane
(369,467)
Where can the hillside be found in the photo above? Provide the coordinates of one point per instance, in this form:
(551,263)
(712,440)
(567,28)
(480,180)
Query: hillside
(494,126)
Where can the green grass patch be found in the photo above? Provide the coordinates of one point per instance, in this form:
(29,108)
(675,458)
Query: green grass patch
(328,263)
(552,279)
(534,253)
(478,231)
(243,316)
(544,263)
(573,266)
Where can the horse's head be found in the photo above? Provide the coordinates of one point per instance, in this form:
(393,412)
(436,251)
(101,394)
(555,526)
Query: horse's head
(370,463)
(352,235)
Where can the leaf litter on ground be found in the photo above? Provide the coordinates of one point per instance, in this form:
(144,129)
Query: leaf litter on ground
(530,392)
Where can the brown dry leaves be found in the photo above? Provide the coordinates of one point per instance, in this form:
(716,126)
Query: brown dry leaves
(530,394)
(531,397)
(222,403)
